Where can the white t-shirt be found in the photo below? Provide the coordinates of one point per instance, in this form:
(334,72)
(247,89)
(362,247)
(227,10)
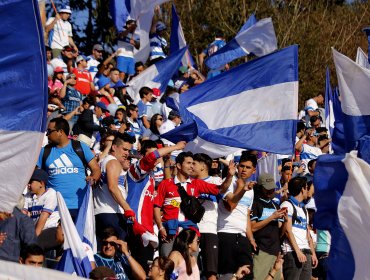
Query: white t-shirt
(59,35)
(299,229)
(235,221)
(92,66)
(208,224)
(311,105)
(57,62)
(103,200)
(308,153)
(165,127)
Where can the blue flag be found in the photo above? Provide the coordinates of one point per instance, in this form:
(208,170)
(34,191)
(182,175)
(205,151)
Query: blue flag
(259,39)
(253,106)
(367,32)
(157,75)
(177,39)
(23,95)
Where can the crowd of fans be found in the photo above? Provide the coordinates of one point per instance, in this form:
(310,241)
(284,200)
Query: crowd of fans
(146,188)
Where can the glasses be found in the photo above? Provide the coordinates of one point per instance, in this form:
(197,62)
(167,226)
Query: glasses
(159,119)
(111,243)
(50,131)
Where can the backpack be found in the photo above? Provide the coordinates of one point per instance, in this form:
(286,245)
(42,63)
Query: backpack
(76,145)
(294,216)
(190,206)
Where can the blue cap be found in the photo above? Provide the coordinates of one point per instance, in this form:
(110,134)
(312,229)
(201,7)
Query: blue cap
(160,26)
(102,106)
(103,81)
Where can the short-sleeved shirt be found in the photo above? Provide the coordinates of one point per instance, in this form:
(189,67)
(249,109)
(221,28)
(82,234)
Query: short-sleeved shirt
(235,221)
(125,48)
(308,153)
(118,264)
(299,227)
(59,35)
(268,237)
(47,202)
(83,80)
(72,100)
(157,43)
(67,172)
(142,109)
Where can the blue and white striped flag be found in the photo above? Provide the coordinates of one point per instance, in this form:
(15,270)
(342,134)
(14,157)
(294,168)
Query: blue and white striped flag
(259,39)
(354,84)
(157,75)
(74,259)
(23,96)
(361,58)
(329,110)
(252,106)
(177,39)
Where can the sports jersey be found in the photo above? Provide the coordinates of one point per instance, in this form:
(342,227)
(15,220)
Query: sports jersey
(83,80)
(71,101)
(311,105)
(140,195)
(47,202)
(125,48)
(309,152)
(157,43)
(59,35)
(136,129)
(103,200)
(208,224)
(213,48)
(169,200)
(235,221)
(142,109)
(118,264)
(299,227)
(67,172)
(92,66)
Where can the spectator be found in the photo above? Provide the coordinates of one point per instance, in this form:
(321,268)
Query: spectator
(185,246)
(158,43)
(32,255)
(41,203)
(312,106)
(116,255)
(95,59)
(136,128)
(105,92)
(300,256)
(153,132)
(308,150)
(102,273)
(84,80)
(127,42)
(64,60)
(267,218)
(161,269)
(282,185)
(67,170)
(60,31)
(315,122)
(139,68)
(146,95)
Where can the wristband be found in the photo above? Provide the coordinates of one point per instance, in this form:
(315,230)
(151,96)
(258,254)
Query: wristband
(272,276)
(161,228)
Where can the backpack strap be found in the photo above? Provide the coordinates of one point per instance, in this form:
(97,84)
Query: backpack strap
(76,145)
(294,216)
(45,155)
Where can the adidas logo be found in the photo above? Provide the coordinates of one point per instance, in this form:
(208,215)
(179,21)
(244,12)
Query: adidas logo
(62,165)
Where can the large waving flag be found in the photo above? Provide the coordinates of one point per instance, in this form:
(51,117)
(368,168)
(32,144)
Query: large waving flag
(329,110)
(252,106)
(361,58)
(23,95)
(177,39)
(354,84)
(74,259)
(140,10)
(157,75)
(259,39)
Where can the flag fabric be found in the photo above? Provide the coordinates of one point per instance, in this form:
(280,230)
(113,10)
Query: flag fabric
(259,39)
(367,32)
(142,12)
(338,143)
(361,58)
(331,177)
(74,259)
(269,164)
(329,110)
(177,39)
(157,75)
(252,106)
(23,95)
(354,84)
(85,222)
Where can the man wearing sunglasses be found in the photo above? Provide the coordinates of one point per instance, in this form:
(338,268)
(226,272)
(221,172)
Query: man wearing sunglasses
(116,255)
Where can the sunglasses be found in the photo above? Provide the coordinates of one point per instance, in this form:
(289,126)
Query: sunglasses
(159,119)
(111,243)
(50,131)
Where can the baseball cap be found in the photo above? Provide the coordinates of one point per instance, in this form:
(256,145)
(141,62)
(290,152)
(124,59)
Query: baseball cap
(67,48)
(102,106)
(156,92)
(58,69)
(98,47)
(119,84)
(65,9)
(266,181)
(81,57)
(39,175)
(183,69)
(103,81)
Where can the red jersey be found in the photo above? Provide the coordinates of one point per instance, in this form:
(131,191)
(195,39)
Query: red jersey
(169,200)
(84,80)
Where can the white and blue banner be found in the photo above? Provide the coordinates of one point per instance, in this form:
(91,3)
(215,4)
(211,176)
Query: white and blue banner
(23,96)
(259,39)
(74,259)
(253,106)
(157,75)
(361,58)
(140,10)
(177,38)
(354,84)
(329,110)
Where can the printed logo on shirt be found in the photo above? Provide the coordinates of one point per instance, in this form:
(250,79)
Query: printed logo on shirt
(175,203)
(151,195)
(62,165)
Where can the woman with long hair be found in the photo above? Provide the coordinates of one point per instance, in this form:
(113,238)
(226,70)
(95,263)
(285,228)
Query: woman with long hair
(185,247)
(161,269)
(153,132)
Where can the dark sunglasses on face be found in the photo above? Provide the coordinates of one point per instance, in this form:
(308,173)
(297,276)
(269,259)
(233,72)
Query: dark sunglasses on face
(111,243)
(50,131)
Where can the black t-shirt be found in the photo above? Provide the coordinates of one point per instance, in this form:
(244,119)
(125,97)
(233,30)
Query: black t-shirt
(268,237)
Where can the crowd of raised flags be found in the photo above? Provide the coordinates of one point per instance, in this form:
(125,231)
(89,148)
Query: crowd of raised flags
(252,106)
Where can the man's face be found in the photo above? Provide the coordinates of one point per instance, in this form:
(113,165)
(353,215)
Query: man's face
(198,167)
(316,124)
(134,113)
(35,186)
(83,63)
(140,69)
(114,76)
(122,151)
(177,120)
(286,176)
(245,169)
(320,99)
(34,260)
(187,166)
(97,54)
(109,246)
(64,16)
(52,133)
